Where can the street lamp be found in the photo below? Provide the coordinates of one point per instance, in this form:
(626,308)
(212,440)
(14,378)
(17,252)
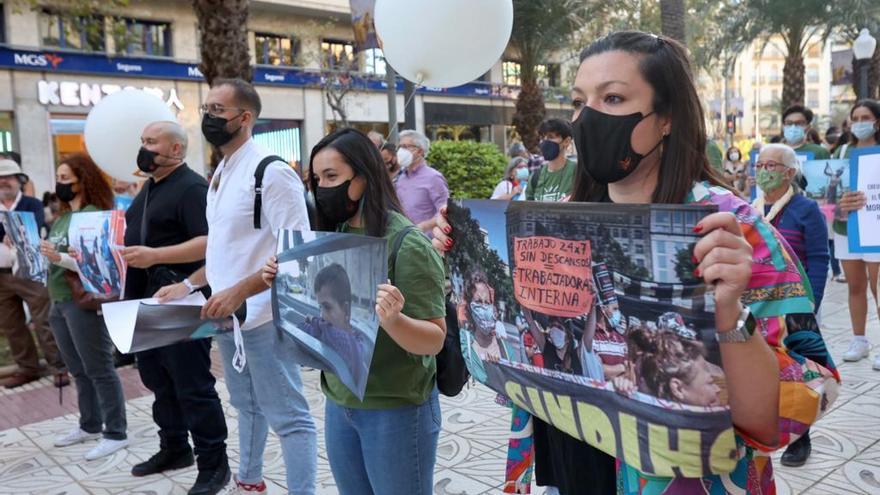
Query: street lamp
(863,49)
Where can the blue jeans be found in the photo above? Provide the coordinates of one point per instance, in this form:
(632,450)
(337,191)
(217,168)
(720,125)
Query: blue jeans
(383,451)
(269,393)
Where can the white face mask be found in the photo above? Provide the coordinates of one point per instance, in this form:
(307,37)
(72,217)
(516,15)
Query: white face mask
(404,158)
(557,337)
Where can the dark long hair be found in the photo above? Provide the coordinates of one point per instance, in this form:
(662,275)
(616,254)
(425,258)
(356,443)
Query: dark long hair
(93,183)
(362,156)
(665,66)
(872,107)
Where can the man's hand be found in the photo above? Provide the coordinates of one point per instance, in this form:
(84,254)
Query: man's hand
(140,256)
(171,292)
(223,304)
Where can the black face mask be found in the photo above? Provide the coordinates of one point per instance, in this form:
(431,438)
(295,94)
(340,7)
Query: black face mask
(65,192)
(146,161)
(550,150)
(604,144)
(214,129)
(335,204)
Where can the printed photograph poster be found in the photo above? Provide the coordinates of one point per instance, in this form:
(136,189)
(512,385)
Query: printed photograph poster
(827,180)
(863,226)
(324,298)
(97,239)
(21,229)
(589,317)
(144,324)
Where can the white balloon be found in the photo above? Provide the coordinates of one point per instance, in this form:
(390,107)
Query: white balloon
(443,43)
(114,126)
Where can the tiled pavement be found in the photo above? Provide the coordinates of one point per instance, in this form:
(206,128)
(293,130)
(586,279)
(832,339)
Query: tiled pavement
(471,455)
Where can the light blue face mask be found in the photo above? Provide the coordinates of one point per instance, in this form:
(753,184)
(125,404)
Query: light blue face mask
(522,174)
(793,134)
(863,130)
(484,317)
(616,319)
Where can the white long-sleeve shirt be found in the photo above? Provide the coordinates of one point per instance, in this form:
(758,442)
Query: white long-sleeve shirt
(235,249)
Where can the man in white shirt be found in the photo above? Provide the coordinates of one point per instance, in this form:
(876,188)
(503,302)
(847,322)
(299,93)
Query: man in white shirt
(261,373)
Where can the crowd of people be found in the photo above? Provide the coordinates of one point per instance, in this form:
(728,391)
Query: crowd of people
(638,132)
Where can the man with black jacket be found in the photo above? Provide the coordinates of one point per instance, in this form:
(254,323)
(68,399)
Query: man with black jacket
(16,291)
(165,240)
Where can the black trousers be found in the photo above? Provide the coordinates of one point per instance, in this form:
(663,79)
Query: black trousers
(186,400)
(572,466)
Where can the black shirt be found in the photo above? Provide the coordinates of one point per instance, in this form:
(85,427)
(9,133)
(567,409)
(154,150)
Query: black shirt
(175,214)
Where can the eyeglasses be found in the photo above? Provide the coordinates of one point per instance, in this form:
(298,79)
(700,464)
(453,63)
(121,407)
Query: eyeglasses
(409,146)
(769,165)
(217,109)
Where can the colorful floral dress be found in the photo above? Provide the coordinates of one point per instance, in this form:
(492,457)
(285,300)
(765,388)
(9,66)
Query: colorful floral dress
(808,379)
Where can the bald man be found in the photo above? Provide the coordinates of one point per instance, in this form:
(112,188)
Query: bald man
(164,244)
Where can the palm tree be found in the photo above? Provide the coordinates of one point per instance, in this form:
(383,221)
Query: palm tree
(223,39)
(796,22)
(540,28)
(672,14)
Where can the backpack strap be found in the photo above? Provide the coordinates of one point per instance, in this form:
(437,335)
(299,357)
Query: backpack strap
(395,248)
(258,186)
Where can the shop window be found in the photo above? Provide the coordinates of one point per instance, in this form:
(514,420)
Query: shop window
(5,131)
(813,74)
(137,37)
(374,62)
(73,33)
(280,137)
(338,55)
(272,49)
(548,75)
(68,135)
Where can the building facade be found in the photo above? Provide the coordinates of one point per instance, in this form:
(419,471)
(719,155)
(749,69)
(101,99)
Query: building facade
(54,69)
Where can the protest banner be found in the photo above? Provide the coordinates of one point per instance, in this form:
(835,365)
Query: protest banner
(589,317)
(324,298)
(21,229)
(144,324)
(97,238)
(862,226)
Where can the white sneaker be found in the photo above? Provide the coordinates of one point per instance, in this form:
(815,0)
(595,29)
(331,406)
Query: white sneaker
(75,436)
(106,447)
(876,365)
(858,350)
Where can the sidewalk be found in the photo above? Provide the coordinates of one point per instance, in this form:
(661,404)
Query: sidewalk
(472,450)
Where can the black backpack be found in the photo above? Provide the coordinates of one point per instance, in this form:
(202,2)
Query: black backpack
(452,372)
(258,191)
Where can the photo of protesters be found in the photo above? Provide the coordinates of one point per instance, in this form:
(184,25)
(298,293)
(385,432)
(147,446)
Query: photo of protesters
(482,319)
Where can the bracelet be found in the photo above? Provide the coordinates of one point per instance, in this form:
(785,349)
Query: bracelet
(189,285)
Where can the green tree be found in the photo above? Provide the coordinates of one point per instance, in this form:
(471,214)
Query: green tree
(471,169)
(608,250)
(540,29)
(796,22)
(685,266)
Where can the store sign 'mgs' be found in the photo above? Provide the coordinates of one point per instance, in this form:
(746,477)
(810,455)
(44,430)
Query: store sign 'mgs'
(76,94)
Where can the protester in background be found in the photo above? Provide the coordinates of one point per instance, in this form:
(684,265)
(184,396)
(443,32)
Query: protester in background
(553,181)
(519,149)
(81,336)
(515,181)
(861,269)
(262,375)
(377,138)
(797,123)
(170,213)
(27,186)
(634,95)
(15,292)
(483,322)
(803,226)
(736,171)
(387,443)
(422,189)
(813,136)
(832,135)
(392,165)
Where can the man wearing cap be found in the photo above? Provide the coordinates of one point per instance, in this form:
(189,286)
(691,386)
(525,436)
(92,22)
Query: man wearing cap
(14,292)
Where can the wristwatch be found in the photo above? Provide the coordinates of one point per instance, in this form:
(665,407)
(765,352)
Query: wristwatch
(189,285)
(745,328)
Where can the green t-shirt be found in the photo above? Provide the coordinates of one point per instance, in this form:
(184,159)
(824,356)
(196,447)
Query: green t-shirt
(819,152)
(59,291)
(715,155)
(552,186)
(398,378)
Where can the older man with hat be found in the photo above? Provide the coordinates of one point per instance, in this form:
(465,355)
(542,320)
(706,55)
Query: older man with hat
(14,292)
